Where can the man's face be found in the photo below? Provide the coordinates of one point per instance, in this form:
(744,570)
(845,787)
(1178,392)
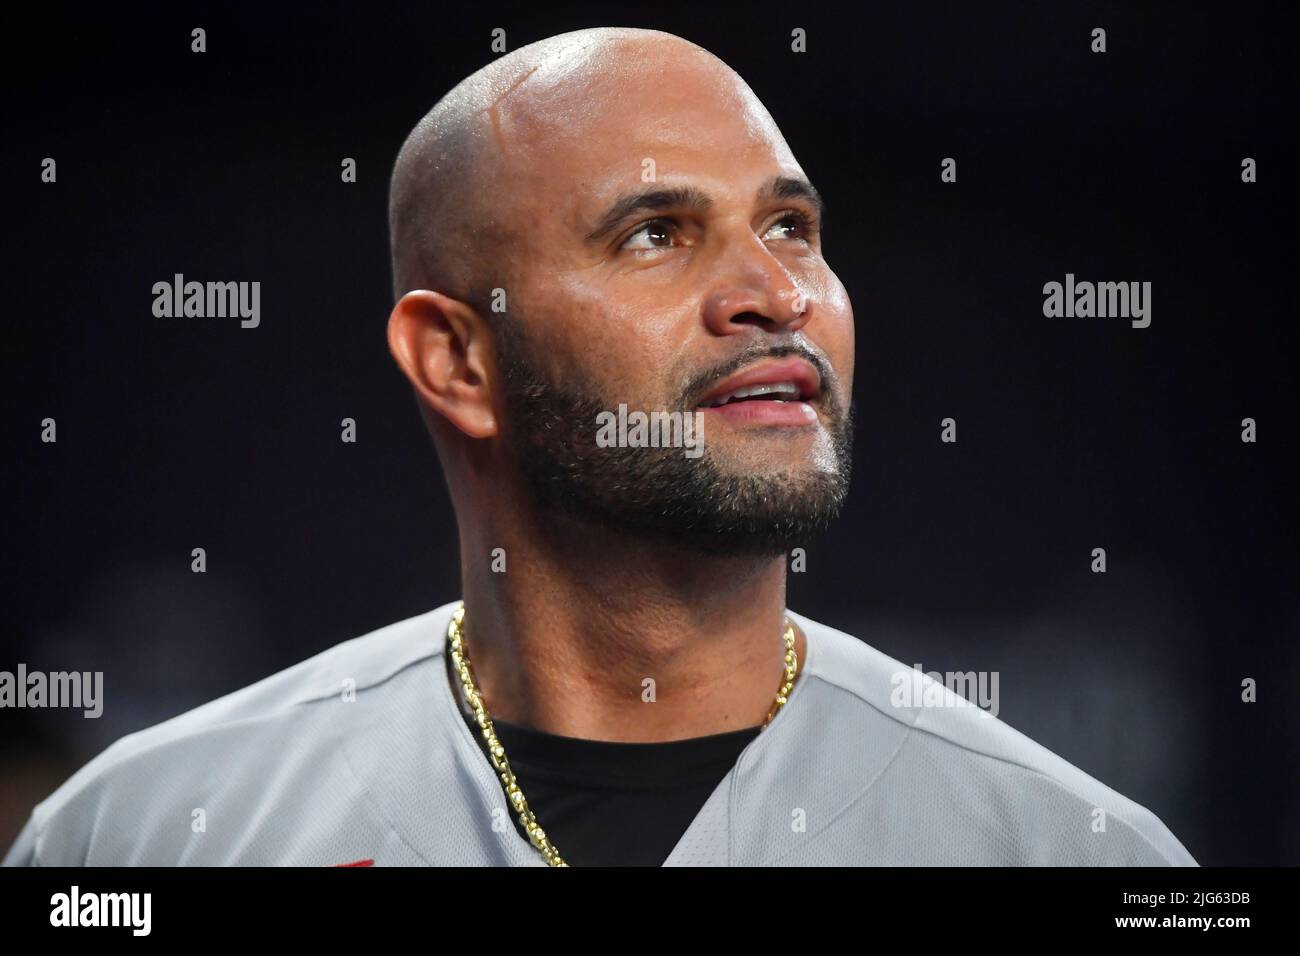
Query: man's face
(720,276)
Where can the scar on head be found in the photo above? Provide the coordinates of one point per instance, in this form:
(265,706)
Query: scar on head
(494,111)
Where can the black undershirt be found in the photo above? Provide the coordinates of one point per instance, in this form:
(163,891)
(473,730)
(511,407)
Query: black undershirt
(605,803)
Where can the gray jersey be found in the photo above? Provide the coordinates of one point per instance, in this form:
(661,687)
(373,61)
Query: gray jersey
(360,754)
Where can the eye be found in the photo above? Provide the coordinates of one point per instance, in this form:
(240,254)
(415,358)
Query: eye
(649,236)
(796,224)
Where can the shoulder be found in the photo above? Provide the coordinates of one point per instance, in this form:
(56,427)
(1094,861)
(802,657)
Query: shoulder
(964,766)
(149,787)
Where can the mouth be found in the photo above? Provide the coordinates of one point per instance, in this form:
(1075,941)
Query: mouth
(770,392)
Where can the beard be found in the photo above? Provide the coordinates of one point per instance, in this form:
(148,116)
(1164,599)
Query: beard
(658,493)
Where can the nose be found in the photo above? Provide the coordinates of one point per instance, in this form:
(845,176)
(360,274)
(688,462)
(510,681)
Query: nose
(753,288)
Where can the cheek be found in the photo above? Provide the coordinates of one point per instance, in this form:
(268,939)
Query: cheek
(615,345)
(833,329)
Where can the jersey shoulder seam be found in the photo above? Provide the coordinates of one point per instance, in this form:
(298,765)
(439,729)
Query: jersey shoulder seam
(833,680)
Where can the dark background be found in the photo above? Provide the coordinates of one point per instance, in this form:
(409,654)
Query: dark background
(1073,433)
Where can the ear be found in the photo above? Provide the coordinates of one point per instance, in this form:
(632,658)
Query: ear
(444,347)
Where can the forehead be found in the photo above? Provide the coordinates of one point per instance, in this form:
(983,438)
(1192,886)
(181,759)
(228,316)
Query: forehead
(572,143)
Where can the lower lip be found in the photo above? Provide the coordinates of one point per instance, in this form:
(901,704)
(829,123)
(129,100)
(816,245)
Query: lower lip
(766,413)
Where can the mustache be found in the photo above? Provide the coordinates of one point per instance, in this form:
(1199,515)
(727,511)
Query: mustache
(700,383)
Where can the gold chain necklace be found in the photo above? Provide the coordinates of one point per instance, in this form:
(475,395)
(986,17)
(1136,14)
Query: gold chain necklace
(497,753)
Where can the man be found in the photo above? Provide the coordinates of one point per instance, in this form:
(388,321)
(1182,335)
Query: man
(605,221)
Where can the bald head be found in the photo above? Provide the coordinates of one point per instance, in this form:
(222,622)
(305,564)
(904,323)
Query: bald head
(449,216)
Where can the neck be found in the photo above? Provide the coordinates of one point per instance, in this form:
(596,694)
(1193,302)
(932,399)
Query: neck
(588,634)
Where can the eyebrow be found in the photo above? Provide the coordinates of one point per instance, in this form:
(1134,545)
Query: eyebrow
(690,197)
(793,187)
